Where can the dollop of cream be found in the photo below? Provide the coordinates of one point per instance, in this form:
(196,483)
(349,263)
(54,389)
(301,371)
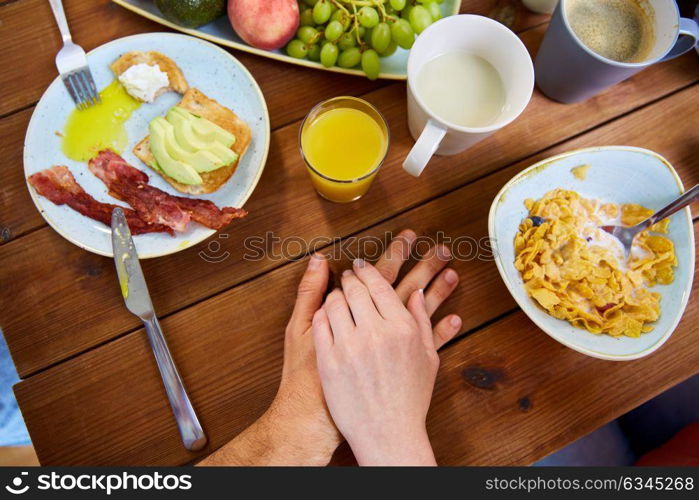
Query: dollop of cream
(143,81)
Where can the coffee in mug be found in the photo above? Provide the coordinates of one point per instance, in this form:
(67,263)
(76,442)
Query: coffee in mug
(621,30)
(591,45)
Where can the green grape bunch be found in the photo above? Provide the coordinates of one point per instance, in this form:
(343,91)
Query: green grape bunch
(358,33)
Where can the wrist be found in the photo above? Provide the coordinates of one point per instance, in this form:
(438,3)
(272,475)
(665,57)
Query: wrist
(276,439)
(302,439)
(394,448)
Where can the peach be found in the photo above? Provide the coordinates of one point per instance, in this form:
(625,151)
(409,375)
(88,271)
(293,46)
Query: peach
(265,24)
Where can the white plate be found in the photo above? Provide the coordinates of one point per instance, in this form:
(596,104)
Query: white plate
(620,174)
(207,67)
(393,67)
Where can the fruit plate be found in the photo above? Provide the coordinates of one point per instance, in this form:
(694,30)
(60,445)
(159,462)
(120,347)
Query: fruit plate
(207,67)
(219,31)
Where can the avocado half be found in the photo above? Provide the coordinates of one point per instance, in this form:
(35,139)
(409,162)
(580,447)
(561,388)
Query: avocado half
(191,13)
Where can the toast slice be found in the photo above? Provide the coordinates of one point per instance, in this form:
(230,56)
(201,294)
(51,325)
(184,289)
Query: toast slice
(178,83)
(199,104)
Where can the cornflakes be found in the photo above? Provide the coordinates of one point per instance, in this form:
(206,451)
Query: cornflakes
(580,172)
(578,273)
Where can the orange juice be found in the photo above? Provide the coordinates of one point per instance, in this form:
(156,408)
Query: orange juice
(343,141)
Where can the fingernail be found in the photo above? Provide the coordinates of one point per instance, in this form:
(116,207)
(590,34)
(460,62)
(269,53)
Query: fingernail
(455,321)
(443,253)
(359,263)
(315,260)
(347,272)
(421,291)
(450,276)
(409,235)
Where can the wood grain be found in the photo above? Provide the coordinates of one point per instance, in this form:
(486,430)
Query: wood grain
(555,122)
(24,23)
(510,395)
(29,31)
(18,456)
(17,212)
(44,316)
(507,394)
(519,395)
(511,13)
(496,400)
(283,110)
(232,372)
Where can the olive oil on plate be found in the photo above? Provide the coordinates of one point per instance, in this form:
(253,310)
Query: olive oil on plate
(101,126)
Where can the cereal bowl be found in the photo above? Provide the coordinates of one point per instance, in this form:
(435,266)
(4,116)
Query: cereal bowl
(618,174)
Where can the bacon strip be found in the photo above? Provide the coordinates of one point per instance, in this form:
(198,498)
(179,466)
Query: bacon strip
(131,185)
(207,213)
(152,204)
(58,185)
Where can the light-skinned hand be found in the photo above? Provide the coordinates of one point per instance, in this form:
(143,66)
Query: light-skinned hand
(377,357)
(297,429)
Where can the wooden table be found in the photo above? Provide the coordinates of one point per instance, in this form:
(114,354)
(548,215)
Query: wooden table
(506,393)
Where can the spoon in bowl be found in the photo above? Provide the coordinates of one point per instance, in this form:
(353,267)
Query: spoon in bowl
(627,234)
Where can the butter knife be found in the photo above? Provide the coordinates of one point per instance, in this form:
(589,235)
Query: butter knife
(135,293)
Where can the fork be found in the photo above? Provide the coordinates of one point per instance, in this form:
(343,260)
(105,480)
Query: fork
(626,234)
(71,62)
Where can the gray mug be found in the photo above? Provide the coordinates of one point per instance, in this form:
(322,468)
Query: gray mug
(568,71)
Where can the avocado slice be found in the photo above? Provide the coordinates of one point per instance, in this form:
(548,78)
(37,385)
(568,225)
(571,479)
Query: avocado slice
(201,161)
(183,131)
(205,129)
(192,143)
(179,171)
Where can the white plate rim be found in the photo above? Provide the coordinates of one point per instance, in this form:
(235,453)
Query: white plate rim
(187,243)
(524,306)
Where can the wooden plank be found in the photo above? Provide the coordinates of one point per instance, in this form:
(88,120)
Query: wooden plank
(45,319)
(556,124)
(650,85)
(18,456)
(510,395)
(290,90)
(511,13)
(95,22)
(17,212)
(15,223)
(495,402)
(229,351)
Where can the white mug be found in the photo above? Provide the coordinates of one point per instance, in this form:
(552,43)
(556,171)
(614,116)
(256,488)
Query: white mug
(480,36)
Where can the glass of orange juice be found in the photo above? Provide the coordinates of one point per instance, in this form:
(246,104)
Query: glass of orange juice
(343,141)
